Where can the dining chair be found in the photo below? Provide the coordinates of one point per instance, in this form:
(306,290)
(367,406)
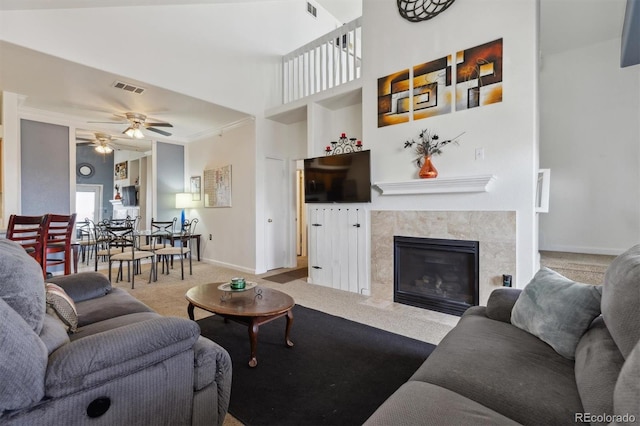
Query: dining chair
(159,234)
(28,231)
(119,222)
(167,253)
(121,247)
(57,239)
(101,249)
(85,235)
(136,222)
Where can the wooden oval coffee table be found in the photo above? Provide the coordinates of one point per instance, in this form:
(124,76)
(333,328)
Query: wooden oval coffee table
(252,307)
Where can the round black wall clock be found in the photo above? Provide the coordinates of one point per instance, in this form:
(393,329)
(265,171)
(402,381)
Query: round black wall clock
(422,10)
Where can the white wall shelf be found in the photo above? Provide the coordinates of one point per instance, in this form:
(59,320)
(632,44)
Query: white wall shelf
(440,185)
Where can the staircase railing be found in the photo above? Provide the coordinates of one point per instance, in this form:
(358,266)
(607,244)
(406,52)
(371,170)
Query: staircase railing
(326,62)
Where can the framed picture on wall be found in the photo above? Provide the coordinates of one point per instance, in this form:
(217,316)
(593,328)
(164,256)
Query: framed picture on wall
(195,188)
(217,187)
(121,170)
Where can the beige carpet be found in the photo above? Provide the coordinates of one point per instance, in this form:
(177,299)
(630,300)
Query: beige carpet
(166,296)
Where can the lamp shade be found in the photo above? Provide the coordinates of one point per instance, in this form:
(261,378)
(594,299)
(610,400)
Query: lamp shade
(184,200)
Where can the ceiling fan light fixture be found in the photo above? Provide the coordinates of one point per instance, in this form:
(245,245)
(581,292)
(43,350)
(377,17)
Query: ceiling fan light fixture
(137,133)
(104,149)
(134,132)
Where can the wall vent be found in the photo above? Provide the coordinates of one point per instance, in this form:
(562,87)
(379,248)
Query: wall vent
(128,87)
(312,10)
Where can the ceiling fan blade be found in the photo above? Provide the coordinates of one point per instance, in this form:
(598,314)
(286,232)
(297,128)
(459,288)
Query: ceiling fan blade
(161,124)
(85,139)
(109,122)
(84,143)
(162,132)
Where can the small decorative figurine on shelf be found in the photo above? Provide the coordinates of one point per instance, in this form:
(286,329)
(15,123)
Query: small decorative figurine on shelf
(343,145)
(117,197)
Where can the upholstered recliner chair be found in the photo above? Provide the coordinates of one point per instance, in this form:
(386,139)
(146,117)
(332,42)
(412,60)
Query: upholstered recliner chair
(115,362)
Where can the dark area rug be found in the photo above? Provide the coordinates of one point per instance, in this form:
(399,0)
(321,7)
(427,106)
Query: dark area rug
(338,372)
(286,277)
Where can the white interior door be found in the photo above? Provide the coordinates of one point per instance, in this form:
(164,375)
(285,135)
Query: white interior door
(276,214)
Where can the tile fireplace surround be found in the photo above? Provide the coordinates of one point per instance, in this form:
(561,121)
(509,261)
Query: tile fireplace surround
(495,230)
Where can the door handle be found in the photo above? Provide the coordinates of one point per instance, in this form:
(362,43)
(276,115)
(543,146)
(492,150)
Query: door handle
(269,220)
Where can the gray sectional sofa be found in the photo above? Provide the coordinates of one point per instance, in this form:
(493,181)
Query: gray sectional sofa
(123,365)
(489,371)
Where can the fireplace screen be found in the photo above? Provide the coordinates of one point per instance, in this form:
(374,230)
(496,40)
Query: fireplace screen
(436,274)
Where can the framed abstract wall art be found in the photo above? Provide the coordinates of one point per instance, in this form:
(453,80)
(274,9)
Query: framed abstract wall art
(195,188)
(394,99)
(432,90)
(474,78)
(121,170)
(217,187)
(479,75)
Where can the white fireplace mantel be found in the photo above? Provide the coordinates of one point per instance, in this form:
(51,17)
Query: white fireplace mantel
(440,185)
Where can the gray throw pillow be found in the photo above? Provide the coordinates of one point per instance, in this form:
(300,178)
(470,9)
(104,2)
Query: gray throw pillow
(557,310)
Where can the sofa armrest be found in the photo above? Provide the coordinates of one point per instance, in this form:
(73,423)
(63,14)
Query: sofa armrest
(213,364)
(500,303)
(83,286)
(99,358)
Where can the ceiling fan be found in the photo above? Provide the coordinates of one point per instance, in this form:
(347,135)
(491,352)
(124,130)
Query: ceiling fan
(102,142)
(137,122)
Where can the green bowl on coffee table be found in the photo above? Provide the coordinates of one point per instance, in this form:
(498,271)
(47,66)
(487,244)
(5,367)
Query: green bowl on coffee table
(238,283)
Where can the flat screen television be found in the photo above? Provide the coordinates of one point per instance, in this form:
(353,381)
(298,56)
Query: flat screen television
(343,178)
(129,196)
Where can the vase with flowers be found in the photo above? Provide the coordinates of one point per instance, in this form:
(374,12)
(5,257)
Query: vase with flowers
(428,145)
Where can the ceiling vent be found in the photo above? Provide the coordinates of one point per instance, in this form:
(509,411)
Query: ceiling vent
(128,87)
(312,10)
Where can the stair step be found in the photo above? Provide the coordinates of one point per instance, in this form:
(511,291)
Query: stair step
(584,268)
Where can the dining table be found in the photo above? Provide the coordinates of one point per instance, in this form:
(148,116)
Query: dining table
(172,237)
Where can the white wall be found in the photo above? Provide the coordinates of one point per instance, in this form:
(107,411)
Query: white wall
(178,47)
(507,130)
(590,139)
(10,157)
(232,228)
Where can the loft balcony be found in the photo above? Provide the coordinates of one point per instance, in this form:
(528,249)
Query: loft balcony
(328,62)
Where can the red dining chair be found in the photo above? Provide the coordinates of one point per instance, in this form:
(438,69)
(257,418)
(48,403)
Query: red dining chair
(58,235)
(28,231)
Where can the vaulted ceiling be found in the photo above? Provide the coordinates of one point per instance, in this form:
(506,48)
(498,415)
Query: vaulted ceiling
(565,25)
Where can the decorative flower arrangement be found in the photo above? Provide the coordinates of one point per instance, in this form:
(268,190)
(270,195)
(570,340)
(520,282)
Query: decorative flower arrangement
(429,144)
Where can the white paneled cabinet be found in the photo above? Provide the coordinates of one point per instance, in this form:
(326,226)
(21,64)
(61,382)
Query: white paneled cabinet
(337,248)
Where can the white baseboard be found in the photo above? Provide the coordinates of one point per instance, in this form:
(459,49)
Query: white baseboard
(580,249)
(230,266)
